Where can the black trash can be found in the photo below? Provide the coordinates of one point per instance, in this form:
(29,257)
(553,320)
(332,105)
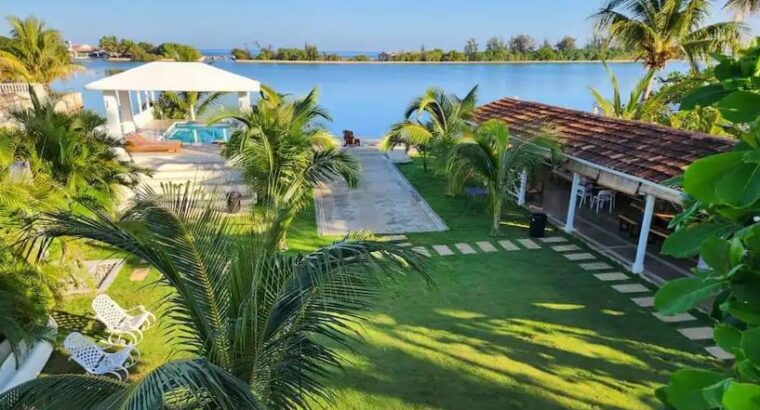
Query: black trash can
(537,224)
(233,202)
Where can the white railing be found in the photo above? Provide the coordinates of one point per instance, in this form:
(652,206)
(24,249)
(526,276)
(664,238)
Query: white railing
(12,88)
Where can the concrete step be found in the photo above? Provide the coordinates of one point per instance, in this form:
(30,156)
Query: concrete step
(219,188)
(198,175)
(179,166)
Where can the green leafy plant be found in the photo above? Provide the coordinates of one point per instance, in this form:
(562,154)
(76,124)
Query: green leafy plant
(259,327)
(492,157)
(720,224)
(634,108)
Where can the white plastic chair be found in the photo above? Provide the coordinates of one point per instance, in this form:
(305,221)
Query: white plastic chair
(119,322)
(582,194)
(97,361)
(604,197)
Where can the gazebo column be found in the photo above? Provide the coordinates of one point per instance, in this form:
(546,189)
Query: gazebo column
(646,223)
(139,101)
(113,119)
(523,188)
(570,222)
(244,100)
(125,112)
(153,97)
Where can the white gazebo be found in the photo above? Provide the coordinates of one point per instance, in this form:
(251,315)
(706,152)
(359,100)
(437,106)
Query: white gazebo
(143,82)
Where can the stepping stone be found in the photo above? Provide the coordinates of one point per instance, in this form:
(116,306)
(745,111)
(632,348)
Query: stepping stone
(421,250)
(139,274)
(529,244)
(566,248)
(611,277)
(466,249)
(697,333)
(683,317)
(595,266)
(553,239)
(487,246)
(394,238)
(631,288)
(508,246)
(404,244)
(647,301)
(443,250)
(718,353)
(579,256)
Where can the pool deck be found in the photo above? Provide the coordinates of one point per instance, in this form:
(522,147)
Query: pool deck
(383,203)
(155,129)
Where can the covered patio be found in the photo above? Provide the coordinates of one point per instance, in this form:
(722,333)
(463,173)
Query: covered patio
(129,96)
(605,160)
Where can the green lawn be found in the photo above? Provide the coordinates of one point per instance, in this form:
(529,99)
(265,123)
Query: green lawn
(524,329)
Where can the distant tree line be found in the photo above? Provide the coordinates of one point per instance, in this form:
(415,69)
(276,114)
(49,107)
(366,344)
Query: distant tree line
(142,51)
(520,47)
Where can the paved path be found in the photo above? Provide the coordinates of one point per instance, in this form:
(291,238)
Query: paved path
(383,203)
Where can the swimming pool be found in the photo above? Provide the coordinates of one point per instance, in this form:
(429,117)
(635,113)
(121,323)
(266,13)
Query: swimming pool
(198,133)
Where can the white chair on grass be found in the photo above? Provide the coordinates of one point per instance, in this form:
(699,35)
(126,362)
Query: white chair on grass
(604,197)
(122,325)
(95,360)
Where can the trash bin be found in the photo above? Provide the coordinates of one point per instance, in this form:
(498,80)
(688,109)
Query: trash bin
(537,224)
(233,202)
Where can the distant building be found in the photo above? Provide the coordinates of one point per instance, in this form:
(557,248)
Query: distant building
(80,50)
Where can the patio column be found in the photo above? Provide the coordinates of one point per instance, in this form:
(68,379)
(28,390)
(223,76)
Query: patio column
(569,223)
(139,101)
(125,112)
(523,187)
(646,223)
(153,97)
(244,100)
(113,120)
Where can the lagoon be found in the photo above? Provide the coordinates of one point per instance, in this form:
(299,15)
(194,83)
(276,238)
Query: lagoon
(368,98)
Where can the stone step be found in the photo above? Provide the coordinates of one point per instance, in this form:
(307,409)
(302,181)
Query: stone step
(209,185)
(198,175)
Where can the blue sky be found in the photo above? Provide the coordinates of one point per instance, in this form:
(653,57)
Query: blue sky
(350,25)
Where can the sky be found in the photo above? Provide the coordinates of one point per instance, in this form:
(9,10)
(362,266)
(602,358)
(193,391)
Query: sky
(333,25)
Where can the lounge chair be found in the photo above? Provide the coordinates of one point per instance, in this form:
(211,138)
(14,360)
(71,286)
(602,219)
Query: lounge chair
(138,143)
(95,360)
(119,322)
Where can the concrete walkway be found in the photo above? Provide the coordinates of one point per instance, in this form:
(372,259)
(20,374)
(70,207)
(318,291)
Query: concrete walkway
(383,203)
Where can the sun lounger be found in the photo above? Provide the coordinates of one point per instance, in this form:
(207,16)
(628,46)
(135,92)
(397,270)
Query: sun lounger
(138,143)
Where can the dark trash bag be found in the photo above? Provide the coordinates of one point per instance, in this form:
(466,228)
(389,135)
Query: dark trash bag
(233,201)
(538,222)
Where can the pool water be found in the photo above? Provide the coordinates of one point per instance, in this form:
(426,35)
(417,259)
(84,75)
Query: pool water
(199,133)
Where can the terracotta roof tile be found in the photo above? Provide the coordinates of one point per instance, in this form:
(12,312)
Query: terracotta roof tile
(648,151)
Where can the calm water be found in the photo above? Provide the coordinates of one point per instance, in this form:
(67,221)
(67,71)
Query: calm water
(197,133)
(368,98)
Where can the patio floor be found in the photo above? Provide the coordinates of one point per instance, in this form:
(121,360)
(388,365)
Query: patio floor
(383,203)
(602,231)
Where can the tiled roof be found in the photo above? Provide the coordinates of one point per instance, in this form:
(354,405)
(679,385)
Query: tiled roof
(648,151)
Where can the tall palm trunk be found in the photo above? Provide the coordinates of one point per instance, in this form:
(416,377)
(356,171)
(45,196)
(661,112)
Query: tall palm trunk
(496,205)
(649,84)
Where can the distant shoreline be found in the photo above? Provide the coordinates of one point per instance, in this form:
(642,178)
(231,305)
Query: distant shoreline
(371,62)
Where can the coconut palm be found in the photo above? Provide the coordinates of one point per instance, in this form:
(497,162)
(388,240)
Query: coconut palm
(634,108)
(33,53)
(433,123)
(742,8)
(186,105)
(284,152)
(259,326)
(663,30)
(74,152)
(490,156)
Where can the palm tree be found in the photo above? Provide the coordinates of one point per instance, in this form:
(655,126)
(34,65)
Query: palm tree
(663,30)
(255,322)
(492,157)
(742,8)
(186,105)
(634,108)
(74,152)
(33,53)
(284,151)
(433,123)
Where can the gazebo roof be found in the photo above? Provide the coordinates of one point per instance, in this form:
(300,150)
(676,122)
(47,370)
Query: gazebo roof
(171,76)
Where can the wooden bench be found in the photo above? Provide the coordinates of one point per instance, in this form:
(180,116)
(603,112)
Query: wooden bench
(660,232)
(627,222)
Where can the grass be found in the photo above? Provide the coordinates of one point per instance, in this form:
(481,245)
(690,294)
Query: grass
(524,329)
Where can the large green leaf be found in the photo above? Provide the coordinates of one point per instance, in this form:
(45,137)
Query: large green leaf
(687,242)
(740,106)
(741,187)
(746,312)
(685,391)
(702,176)
(742,396)
(750,344)
(704,96)
(717,254)
(683,294)
(727,337)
